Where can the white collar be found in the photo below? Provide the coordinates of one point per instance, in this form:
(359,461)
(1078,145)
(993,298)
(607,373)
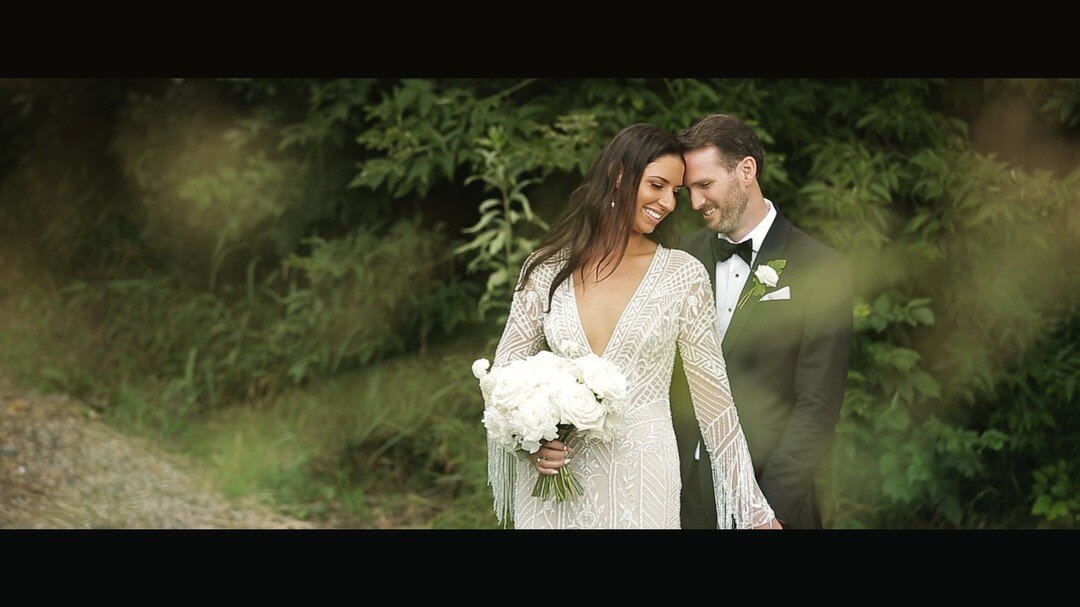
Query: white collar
(760,230)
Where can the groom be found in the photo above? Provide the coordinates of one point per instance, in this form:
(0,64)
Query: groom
(786,334)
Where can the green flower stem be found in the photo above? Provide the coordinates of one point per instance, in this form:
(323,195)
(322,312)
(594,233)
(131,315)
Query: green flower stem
(564,485)
(755,283)
(743,300)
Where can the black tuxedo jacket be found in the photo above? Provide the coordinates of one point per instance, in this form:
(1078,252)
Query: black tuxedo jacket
(787,363)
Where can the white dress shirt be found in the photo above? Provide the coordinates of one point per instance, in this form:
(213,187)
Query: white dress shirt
(731,277)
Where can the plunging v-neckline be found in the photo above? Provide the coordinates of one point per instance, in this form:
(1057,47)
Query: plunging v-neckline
(618,323)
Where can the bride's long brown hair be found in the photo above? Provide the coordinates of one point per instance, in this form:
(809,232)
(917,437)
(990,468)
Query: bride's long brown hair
(590,227)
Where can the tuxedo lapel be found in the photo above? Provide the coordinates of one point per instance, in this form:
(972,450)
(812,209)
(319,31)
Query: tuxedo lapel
(773,248)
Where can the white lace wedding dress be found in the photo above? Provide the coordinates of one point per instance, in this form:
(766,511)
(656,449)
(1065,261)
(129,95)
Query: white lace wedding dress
(634,481)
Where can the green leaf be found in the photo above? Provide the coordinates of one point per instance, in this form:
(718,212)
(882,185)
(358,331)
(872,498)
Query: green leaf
(926,384)
(897,417)
(497,243)
(489,204)
(882,193)
(486,219)
(903,359)
(894,485)
(498,278)
(890,464)
(1058,510)
(883,304)
(1059,490)
(923,315)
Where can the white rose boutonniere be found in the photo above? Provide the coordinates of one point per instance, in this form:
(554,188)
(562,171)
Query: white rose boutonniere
(765,275)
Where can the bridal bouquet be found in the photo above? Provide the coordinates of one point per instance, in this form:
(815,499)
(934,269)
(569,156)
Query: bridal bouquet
(546,397)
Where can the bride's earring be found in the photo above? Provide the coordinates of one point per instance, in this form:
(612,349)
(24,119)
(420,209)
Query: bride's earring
(613,202)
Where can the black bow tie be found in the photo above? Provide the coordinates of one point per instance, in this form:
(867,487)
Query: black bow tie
(724,249)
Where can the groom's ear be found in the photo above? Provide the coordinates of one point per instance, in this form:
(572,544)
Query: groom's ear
(747,169)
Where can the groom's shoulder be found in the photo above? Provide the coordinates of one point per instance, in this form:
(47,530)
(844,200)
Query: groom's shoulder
(816,252)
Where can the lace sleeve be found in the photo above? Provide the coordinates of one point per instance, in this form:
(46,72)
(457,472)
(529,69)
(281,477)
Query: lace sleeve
(523,336)
(736,490)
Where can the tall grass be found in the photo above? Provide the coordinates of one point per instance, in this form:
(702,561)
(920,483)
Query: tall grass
(346,303)
(44,346)
(397,444)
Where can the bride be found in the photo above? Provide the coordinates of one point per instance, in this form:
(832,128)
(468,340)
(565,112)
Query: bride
(601,280)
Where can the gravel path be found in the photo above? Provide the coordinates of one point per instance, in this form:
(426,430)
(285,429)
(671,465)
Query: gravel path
(62,468)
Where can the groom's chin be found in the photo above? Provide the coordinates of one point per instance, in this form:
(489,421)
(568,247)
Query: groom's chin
(712,224)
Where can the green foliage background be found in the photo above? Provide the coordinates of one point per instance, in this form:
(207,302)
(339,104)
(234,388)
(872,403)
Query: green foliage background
(290,277)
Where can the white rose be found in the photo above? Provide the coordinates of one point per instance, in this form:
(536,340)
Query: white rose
(532,446)
(615,425)
(579,407)
(534,420)
(602,376)
(547,365)
(487,384)
(480,367)
(767,275)
(498,427)
(513,385)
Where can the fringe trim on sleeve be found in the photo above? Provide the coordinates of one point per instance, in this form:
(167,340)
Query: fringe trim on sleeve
(736,491)
(502,468)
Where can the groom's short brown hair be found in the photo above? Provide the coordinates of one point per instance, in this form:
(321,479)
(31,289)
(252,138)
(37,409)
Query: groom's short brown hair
(732,137)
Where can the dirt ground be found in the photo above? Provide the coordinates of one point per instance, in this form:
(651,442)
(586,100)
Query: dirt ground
(62,468)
